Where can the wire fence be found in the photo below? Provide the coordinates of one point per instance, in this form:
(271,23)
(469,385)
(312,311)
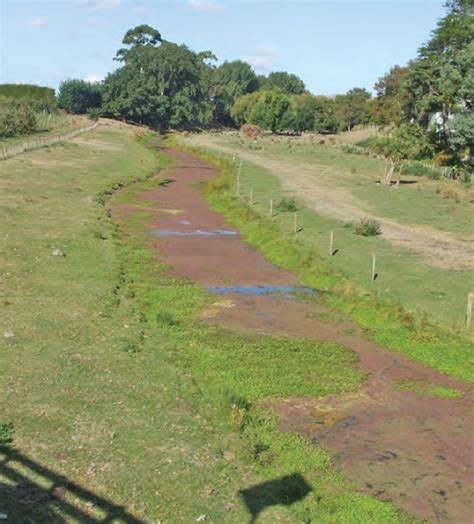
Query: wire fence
(18,149)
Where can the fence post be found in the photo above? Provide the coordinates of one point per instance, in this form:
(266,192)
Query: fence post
(295,223)
(331,243)
(238,178)
(271,207)
(373,268)
(251,196)
(470,301)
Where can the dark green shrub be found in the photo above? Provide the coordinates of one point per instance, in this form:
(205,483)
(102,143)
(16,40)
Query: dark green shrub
(78,96)
(130,346)
(6,434)
(367,227)
(420,169)
(287,204)
(16,118)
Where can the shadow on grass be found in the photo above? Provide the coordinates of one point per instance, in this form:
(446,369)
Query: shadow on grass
(284,491)
(36,493)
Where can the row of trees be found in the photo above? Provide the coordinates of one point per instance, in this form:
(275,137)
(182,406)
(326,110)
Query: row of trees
(277,111)
(427,104)
(430,102)
(164,84)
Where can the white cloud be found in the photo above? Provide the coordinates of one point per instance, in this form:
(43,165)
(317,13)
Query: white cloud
(206,6)
(262,58)
(37,22)
(101,5)
(94,77)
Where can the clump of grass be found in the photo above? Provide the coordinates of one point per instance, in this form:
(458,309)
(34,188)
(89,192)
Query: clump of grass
(451,194)
(130,346)
(420,387)
(367,227)
(287,205)
(6,433)
(165,318)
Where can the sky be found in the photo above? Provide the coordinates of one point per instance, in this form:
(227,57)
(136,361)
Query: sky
(333,45)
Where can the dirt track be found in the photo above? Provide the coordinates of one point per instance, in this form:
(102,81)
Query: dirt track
(439,249)
(413,450)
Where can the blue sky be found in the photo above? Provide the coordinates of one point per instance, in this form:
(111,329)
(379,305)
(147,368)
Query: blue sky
(332,45)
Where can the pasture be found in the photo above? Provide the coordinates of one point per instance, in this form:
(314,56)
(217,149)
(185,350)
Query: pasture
(424,254)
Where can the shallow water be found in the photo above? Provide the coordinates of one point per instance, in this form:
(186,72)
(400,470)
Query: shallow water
(195,233)
(261,290)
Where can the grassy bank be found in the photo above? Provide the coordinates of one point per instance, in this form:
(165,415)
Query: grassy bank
(115,397)
(86,386)
(388,323)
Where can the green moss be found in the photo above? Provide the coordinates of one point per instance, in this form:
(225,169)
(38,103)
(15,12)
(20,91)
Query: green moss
(421,387)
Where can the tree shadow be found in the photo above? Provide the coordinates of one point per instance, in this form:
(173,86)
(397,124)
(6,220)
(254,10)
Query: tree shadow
(36,493)
(283,491)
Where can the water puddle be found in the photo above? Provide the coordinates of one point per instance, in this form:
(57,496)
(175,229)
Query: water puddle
(261,290)
(195,233)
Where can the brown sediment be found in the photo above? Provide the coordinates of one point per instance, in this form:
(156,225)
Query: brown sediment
(413,450)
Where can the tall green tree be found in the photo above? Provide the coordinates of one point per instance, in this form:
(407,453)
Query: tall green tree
(78,96)
(351,108)
(242,108)
(325,120)
(288,83)
(440,80)
(273,111)
(160,83)
(230,81)
(391,97)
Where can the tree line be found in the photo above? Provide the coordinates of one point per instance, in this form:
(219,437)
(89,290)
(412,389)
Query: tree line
(426,105)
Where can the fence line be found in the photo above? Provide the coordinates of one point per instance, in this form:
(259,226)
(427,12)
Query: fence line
(18,149)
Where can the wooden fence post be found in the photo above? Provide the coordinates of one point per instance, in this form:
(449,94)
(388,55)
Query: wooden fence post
(295,223)
(238,178)
(331,243)
(271,207)
(470,301)
(372,278)
(251,196)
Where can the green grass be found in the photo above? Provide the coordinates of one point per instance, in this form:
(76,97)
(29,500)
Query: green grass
(421,387)
(404,277)
(422,202)
(112,382)
(236,370)
(388,323)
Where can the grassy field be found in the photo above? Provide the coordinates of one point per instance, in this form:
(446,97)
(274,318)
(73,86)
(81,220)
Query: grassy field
(442,205)
(384,319)
(110,406)
(403,276)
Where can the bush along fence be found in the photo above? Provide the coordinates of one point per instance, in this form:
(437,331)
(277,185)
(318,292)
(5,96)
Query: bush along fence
(18,149)
(412,167)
